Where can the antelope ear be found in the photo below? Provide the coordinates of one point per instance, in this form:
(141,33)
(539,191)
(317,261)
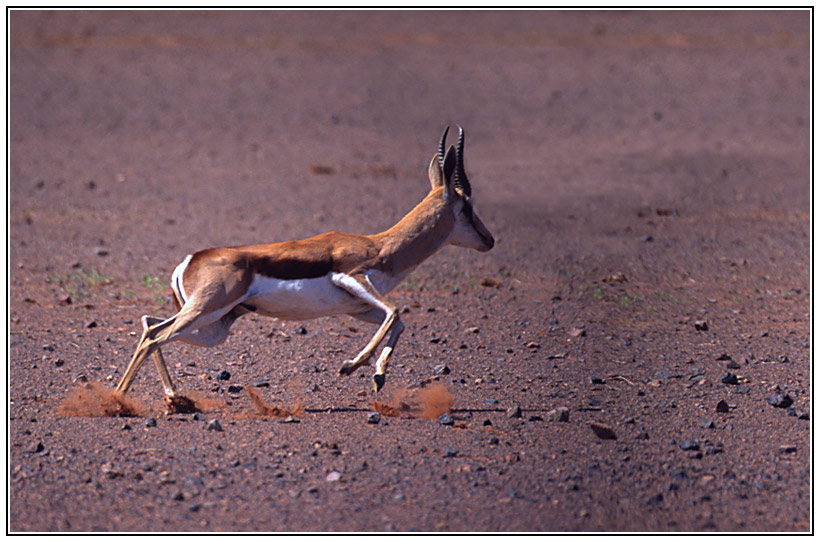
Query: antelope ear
(435,174)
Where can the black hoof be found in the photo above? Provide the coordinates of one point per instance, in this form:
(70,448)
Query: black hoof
(378,381)
(345,369)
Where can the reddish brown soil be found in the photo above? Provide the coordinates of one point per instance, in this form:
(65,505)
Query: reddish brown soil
(646,176)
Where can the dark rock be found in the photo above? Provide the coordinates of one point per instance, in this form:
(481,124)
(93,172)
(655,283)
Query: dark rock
(441,370)
(596,380)
(373,417)
(92,324)
(687,445)
(199,416)
(780,400)
(722,406)
(213,425)
(560,414)
(449,452)
(602,431)
(446,419)
(223,375)
(701,325)
(300,330)
(729,378)
(36,448)
(666,375)
(234,389)
(261,383)
(707,424)
(151,422)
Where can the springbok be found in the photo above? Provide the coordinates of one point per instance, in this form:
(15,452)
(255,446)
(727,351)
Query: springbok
(329,274)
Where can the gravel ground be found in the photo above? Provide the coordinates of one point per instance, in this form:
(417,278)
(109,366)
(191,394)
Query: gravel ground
(622,360)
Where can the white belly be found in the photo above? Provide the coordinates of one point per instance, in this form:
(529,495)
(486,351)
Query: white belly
(300,299)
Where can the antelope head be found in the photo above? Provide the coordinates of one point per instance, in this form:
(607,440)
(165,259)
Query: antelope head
(447,171)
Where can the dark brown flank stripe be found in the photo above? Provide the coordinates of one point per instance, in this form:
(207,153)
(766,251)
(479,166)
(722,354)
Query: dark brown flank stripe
(291,260)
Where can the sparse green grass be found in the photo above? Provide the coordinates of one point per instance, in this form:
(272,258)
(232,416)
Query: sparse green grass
(155,285)
(79,285)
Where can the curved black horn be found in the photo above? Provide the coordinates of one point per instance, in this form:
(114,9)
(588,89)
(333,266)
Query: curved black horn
(460,180)
(441,143)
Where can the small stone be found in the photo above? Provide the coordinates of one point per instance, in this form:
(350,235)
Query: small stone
(213,425)
(234,389)
(449,452)
(701,325)
(603,432)
(36,448)
(261,383)
(533,345)
(577,332)
(446,419)
(722,406)
(560,414)
(780,400)
(788,449)
(732,364)
(333,476)
(729,378)
(472,329)
(290,419)
(92,324)
(198,417)
(707,424)
(109,471)
(687,445)
(300,330)
(223,375)
(596,380)
(151,422)
(373,417)
(100,251)
(441,370)
(514,412)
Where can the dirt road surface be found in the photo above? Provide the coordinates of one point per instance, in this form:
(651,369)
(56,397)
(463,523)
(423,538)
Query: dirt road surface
(647,179)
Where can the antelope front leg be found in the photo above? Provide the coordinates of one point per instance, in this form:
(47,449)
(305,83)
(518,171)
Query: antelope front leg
(383,311)
(387,351)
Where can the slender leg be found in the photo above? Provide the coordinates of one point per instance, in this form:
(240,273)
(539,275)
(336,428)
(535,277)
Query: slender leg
(361,288)
(168,386)
(176,327)
(387,351)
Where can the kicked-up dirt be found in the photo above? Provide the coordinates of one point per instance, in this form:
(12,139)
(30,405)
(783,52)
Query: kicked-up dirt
(633,355)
